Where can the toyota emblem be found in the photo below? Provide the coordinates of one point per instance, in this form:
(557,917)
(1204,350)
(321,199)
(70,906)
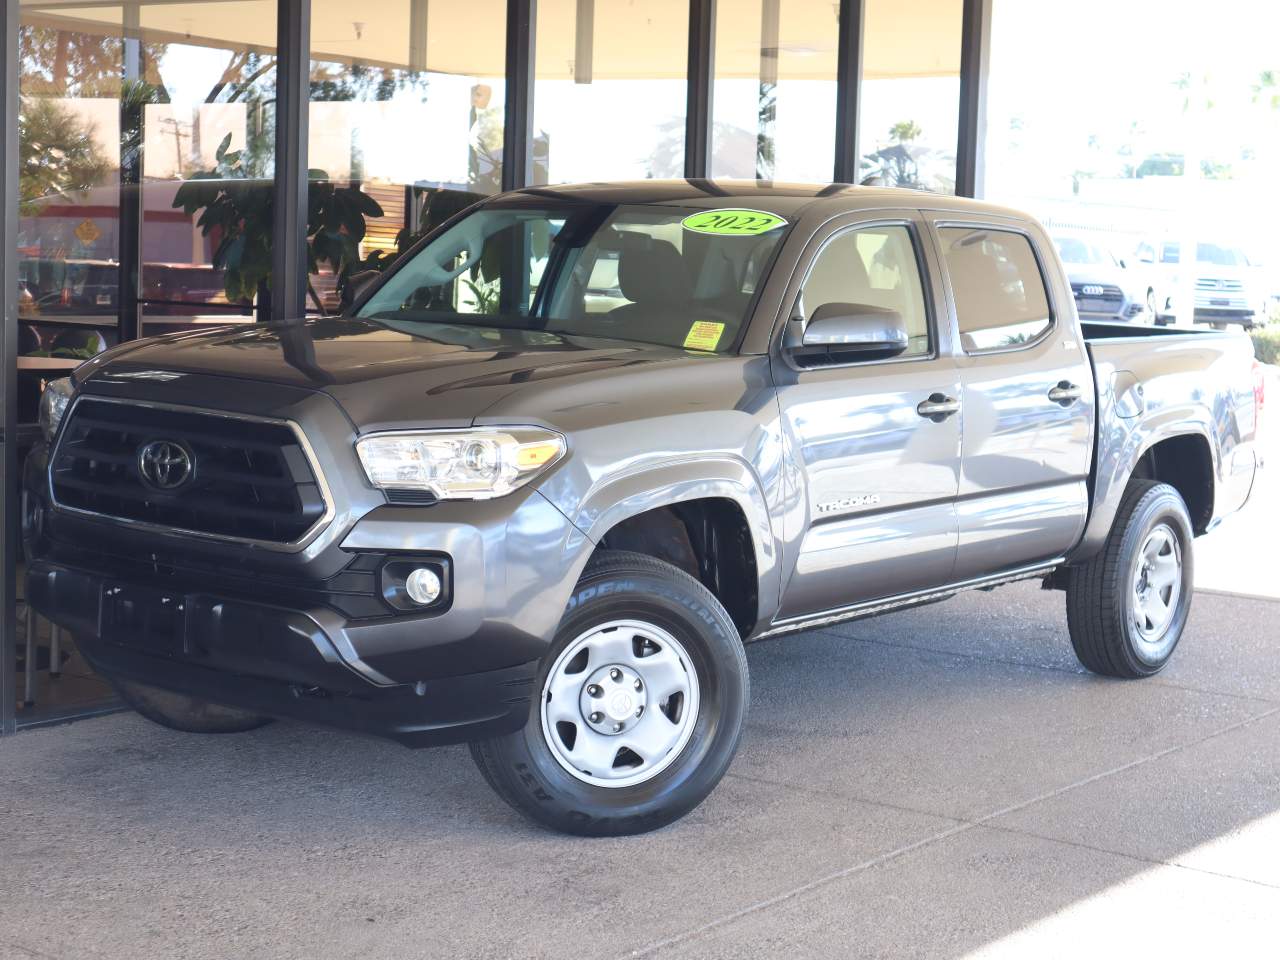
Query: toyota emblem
(165,464)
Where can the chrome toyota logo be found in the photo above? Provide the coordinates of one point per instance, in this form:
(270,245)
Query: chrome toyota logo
(165,464)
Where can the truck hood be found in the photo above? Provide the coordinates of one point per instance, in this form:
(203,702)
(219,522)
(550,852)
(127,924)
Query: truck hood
(439,374)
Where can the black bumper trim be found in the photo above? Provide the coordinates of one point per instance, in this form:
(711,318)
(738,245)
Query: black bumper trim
(280,663)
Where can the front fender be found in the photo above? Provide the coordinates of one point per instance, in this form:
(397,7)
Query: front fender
(662,484)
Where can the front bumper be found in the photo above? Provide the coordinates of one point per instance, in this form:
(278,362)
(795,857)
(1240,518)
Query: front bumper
(309,633)
(265,658)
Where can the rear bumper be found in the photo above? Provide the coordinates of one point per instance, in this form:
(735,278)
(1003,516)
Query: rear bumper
(273,660)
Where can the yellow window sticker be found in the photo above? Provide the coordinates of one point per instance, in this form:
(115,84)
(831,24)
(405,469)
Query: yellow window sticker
(733,223)
(703,335)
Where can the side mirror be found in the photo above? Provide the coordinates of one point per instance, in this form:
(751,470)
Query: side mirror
(1123,264)
(854,328)
(357,284)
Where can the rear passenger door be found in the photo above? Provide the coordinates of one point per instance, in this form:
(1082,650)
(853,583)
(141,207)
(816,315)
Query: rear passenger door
(1026,395)
(873,492)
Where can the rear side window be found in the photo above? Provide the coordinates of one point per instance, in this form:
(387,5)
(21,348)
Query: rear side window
(875,266)
(1000,296)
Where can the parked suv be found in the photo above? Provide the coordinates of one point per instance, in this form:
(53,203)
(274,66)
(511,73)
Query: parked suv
(1103,285)
(578,446)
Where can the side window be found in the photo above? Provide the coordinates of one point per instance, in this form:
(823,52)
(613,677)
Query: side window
(1000,296)
(1169,253)
(876,266)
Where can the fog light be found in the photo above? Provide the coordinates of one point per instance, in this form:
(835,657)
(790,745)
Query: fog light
(423,585)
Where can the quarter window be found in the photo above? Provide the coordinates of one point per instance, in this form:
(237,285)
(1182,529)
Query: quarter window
(999,291)
(877,267)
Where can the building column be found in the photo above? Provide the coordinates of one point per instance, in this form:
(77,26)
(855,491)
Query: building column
(848,90)
(700,80)
(517,138)
(293,93)
(975,61)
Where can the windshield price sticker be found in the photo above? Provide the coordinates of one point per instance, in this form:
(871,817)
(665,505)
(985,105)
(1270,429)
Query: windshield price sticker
(733,223)
(703,335)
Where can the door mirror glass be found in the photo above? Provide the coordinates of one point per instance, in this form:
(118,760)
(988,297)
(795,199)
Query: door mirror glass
(856,328)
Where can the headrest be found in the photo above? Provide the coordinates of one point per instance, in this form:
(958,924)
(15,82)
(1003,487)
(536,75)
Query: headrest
(652,271)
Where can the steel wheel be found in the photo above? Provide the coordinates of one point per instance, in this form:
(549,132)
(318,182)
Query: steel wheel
(619,703)
(1157,587)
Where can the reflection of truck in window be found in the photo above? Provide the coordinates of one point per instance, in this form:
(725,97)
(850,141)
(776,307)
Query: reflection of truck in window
(549,529)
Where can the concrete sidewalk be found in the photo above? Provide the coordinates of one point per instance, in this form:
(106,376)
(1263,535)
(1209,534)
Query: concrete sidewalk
(935,783)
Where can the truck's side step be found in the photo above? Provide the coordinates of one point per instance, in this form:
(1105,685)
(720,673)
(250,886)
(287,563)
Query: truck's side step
(918,598)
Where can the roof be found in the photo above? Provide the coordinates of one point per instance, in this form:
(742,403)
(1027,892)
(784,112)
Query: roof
(783,199)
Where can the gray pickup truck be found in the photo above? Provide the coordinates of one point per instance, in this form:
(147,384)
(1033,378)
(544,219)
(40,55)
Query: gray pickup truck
(550,472)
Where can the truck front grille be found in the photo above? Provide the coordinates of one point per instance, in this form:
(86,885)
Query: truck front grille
(1228,286)
(228,476)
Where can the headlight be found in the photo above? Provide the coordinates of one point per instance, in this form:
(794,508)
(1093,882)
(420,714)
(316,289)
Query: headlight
(53,404)
(459,464)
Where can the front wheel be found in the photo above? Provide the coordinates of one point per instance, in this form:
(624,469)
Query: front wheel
(1128,605)
(642,699)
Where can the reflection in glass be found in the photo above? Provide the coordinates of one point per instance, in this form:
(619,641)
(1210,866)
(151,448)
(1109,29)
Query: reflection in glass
(610,94)
(774,98)
(909,120)
(405,130)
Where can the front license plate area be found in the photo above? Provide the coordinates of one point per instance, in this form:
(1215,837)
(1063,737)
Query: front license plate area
(143,619)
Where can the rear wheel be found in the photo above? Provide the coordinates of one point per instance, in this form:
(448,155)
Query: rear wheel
(641,703)
(1128,605)
(178,711)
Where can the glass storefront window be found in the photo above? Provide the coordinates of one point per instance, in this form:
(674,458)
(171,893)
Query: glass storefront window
(610,93)
(1169,146)
(208,138)
(406,128)
(909,122)
(774,97)
(69,90)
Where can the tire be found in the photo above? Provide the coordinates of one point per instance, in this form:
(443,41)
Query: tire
(634,630)
(1118,630)
(177,711)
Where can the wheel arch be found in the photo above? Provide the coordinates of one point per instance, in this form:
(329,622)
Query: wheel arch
(708,517)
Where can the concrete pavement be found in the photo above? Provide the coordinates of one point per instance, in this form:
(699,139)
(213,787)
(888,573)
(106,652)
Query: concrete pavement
(941,782)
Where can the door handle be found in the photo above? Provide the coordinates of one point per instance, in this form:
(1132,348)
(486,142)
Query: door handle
(1065,393)
(938,407)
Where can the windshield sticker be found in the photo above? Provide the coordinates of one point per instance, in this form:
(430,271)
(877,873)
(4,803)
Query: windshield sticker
(703,335)
(733,223)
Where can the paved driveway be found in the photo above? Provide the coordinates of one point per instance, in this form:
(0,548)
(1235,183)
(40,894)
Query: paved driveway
(933,783)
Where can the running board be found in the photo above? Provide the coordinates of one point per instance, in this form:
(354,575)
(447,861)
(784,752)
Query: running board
(870,608)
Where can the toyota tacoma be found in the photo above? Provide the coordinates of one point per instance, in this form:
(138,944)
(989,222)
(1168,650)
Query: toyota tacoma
(540,483)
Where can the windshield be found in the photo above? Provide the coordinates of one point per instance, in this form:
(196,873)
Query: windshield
(1075,250)
(678,277)
(1220,255)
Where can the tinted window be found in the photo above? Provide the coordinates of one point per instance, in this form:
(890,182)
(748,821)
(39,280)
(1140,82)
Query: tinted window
(876,267)
(999,291)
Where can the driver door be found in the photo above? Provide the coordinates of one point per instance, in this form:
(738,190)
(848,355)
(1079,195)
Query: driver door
(876,474)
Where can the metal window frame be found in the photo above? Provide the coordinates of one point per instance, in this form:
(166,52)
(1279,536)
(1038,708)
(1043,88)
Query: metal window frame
(517,142)
(849,89)
(9,372)
(700,81)
(289,279)
(293,95)
(975,61)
